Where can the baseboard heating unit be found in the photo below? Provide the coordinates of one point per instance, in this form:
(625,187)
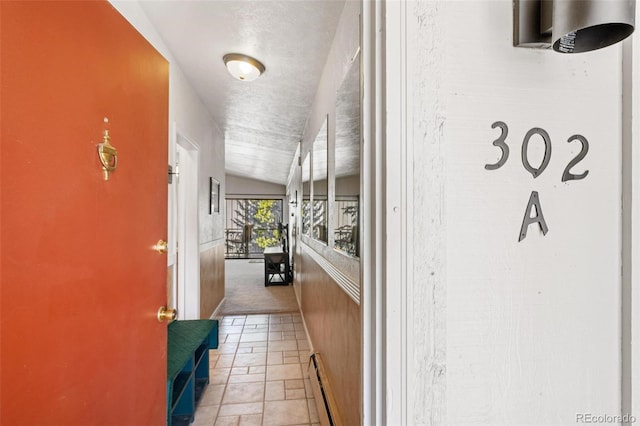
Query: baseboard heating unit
(325,401)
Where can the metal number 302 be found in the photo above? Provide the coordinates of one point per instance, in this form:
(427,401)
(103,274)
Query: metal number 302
(537,171)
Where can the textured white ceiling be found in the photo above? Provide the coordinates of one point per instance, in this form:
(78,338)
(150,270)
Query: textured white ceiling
(263,120)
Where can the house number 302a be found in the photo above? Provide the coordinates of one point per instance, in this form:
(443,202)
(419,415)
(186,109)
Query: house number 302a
(534,199)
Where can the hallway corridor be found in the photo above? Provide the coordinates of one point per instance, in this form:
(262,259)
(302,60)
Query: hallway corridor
(245,292)
(259,373)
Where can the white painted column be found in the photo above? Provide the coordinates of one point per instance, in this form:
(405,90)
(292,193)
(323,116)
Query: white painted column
(630,299)
(371,237)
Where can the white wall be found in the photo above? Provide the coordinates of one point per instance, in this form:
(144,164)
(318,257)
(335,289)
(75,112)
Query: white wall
(349,185)
(188,117)
(345,45)
(238,185)
(492,331)
(242,187)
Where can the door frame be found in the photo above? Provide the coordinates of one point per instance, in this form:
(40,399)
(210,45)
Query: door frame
(186,230)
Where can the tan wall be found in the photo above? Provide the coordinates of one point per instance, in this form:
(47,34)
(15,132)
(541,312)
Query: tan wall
(333,321)
(211,280)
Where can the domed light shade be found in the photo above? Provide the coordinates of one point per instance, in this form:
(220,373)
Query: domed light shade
(585,25)
(243,67)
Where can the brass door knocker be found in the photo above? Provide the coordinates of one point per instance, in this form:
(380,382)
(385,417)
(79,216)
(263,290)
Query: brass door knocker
(108,154)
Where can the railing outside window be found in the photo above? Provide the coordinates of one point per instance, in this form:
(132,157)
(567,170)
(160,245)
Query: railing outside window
(252,225)
(239,248)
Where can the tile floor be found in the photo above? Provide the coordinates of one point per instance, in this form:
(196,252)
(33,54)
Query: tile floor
(258,374)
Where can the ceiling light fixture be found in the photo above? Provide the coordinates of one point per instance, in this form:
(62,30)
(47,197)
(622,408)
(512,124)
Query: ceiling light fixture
(243,67)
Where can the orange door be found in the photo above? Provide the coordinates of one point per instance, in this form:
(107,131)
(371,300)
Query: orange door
(80,282)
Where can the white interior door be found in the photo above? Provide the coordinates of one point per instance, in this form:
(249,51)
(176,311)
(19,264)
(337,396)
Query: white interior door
(188,270)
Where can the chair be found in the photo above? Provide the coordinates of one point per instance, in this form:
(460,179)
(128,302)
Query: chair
(235,242)
(238,241)
(347,239)
(276,268)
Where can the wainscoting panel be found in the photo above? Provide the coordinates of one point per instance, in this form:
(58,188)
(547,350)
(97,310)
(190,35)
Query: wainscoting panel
(333,322)
(211,279)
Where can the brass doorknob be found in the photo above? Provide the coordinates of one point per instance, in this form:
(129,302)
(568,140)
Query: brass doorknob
(165,314)
(161,246)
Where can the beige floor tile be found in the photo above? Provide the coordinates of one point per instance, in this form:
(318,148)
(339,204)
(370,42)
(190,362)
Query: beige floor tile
(236,393)
(251,420)
(232,338)
(212,360)
(255,369)
(256,348)
(248,360)
(240,409)
(274,391)
(313,411)
(247,378)
(228,421)
(283,372)
(212,395)
(295,384)
(256,328)
(205,415)
(225,361)
(219,376)
(295,394)
(292,412)
(274,358)
(239,370)
(283,345)
(253,337)
(248,329)
(282,327)
(253,344)
(257,319)
(227,348)
(275,335)
(291,360)
(230,329)
(307,388)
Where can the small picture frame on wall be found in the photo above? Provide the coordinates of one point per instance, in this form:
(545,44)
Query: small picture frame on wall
(214,196)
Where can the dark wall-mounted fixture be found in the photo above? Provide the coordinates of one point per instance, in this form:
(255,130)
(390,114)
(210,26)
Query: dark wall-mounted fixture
(572,26)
